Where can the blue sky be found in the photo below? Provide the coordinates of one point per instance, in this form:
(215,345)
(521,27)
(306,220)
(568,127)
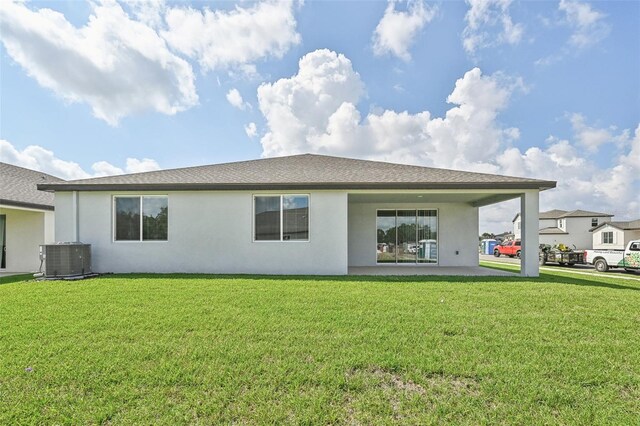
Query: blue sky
(539,89)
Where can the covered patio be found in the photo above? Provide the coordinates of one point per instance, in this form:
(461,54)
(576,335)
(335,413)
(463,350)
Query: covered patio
(432,231)
(412,270)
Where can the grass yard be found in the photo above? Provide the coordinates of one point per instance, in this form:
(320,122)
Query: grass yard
(560,349)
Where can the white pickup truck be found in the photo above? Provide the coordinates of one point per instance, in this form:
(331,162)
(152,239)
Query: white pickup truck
(629,258)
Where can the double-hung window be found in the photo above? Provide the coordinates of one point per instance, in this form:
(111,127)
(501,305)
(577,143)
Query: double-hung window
(281,217)
(141,218)
(607,237)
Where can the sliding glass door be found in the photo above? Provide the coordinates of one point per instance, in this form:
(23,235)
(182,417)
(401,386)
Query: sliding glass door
(427,236)
(406,232)
(407,236)
(386,245)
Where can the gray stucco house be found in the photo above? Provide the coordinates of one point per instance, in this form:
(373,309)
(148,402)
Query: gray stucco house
(301,214)
(26,217)
(571,228)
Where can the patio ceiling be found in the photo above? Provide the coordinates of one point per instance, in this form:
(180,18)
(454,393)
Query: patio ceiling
(476,199)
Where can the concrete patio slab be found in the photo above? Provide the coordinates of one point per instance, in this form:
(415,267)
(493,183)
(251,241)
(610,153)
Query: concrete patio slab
(429,270)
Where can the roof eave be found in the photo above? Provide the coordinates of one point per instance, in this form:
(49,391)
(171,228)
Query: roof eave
(13,203)
(540,185)
(590,215)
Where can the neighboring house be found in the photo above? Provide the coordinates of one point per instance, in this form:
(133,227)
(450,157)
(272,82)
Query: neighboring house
(505,236)
(571,228)
(26,217)
(615,235)
(302,214)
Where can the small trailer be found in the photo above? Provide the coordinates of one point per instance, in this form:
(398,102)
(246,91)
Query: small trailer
(560,255)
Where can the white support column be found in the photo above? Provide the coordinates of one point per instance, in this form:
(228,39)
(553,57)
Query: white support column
(529,208)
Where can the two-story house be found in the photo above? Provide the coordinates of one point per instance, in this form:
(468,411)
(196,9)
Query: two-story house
(568,228)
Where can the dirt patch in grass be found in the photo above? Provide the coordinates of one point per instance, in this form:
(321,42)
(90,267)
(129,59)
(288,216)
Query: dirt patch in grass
(398,398)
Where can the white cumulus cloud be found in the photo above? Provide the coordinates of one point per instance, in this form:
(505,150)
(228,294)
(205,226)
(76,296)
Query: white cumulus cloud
(316,111)
(251,130)
(235,99)
(591,137)
(116,65)
(149,12)
(489,24)
(223,39)
(38,158)
(588,27)
(300,106)
(131,56)
(582,183)
(588,24)
(397,30)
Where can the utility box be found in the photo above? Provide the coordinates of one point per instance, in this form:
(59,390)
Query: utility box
(65,259)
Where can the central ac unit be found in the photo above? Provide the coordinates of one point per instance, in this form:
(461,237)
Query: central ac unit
(66,259)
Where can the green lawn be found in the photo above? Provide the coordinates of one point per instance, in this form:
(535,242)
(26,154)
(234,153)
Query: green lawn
(356,350)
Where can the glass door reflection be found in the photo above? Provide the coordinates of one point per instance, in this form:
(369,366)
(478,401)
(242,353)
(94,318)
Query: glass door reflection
(407,236)
(386,242)
(406,231)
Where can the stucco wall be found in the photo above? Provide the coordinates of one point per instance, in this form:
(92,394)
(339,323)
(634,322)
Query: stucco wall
(457,230)
(210,232)
(517,228)
(579,235)
(49,227)
(620,238)
(554,239)
(548,223)
(542,223)
(25,232)
(64,224)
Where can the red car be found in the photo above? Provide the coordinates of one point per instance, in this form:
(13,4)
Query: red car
(509,248)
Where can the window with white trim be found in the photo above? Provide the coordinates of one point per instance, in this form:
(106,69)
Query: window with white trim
(594,222)
(281,217)
(141,218)
(607,237)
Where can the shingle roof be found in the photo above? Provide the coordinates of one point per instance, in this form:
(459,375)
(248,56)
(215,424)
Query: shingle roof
(552,214)
(18,187)
(585,213)
(628,225)
(308,171)
(559,214)
(552,230)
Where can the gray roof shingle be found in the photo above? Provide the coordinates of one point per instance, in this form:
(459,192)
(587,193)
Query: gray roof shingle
(623,225)
(585,213)
(551,230)
(552,214)
(18,187)
(558,214)
(308,171)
